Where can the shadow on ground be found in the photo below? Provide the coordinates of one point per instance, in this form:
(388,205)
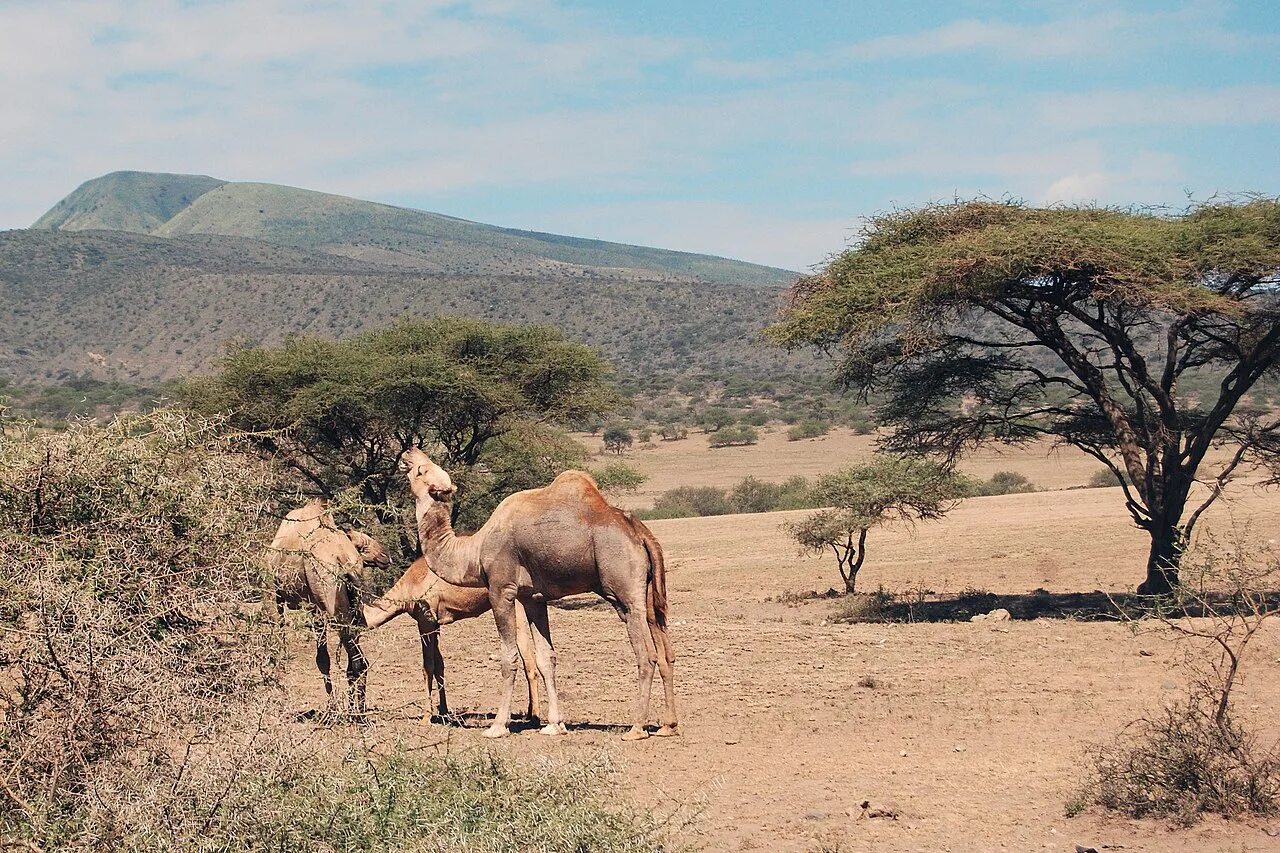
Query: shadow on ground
(1096,606)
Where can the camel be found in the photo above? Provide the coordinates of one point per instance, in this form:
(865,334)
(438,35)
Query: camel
(543,544)
(434,603)
(318,566)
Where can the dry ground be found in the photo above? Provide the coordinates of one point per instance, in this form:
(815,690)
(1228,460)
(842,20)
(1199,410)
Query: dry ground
(975,736)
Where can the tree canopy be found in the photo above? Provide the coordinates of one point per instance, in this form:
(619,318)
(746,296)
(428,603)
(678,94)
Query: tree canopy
(856,499)
(988,321)
(489,396)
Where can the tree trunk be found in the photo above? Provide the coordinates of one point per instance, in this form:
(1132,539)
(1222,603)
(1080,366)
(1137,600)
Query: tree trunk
(1162,562)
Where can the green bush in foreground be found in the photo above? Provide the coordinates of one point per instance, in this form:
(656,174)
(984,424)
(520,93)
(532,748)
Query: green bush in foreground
(809,428)
(732,436)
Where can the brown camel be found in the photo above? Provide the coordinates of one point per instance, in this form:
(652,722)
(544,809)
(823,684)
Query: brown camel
(434,603)
(544,544)
(319,567)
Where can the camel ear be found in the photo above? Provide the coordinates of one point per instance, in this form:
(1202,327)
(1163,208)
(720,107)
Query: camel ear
(441,493)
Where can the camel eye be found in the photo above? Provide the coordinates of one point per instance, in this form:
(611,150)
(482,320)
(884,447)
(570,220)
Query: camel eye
(422,470)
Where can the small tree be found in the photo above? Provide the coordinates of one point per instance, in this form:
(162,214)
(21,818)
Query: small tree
(983,321)
(617,438)
(717,418)
(891,489)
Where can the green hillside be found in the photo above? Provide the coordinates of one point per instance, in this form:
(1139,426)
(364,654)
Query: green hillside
(126,201)
(176,205)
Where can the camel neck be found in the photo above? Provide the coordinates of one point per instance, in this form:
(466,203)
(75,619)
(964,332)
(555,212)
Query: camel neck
(446,552)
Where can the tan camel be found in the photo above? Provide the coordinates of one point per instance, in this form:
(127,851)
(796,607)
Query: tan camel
(544,544)
(434,603)
(319,567)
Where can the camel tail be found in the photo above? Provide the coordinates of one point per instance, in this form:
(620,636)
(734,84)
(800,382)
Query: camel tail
(657,594)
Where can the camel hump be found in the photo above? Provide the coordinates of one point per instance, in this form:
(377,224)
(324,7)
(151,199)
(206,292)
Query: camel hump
(576,479)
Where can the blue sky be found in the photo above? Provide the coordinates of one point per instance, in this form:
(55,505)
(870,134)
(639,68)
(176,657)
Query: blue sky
(756,130)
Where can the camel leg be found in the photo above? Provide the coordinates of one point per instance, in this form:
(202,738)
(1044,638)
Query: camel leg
(524,639)
(357,669)
(646,657)
(545,653)
(662,640)
(323,662)
(432,667)
(504,614)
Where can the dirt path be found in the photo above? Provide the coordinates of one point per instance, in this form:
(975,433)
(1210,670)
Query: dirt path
(974,736)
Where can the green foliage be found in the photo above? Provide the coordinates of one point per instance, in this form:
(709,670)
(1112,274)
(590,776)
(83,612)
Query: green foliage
(986,321)
(749,495)
(755,418)
(856,499)
(83,397)
(617,438)
(808,428)
(717,418)
(1001,483)
(1103,478)
(618,478)
(341,412)
(732,436)
(690,501)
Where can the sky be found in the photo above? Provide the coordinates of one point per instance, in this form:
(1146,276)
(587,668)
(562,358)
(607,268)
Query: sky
(764,131)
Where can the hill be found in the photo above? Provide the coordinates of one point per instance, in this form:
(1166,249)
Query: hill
(126,201)
(177,205)
(140,308)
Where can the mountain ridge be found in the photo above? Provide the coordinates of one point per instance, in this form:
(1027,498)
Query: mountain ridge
(168,205)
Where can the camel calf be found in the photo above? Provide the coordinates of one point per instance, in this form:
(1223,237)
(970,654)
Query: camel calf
(433,603)
(322,569)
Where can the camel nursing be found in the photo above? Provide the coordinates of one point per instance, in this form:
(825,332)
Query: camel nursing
(543,544)
(434,603)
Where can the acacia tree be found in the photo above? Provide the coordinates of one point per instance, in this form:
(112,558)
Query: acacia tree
(340,413)
(888,490)
(983,321)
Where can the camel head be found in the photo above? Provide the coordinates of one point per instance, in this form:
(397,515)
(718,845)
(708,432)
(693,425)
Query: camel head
(372,554)
(426,478)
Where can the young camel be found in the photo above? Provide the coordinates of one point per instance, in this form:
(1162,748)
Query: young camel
(544,544)
(319,567)
(434,603)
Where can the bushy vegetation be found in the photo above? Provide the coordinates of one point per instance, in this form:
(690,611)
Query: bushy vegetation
(1000,483)
(809,428)
(618,477)
(54,403)
(749,495)
(734,436)
(617,438)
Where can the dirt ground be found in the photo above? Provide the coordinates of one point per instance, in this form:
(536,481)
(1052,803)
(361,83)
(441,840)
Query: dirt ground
(975,736)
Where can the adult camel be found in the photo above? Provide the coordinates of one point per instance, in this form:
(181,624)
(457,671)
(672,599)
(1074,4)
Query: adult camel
(321,568)
(434,603)
(544,544)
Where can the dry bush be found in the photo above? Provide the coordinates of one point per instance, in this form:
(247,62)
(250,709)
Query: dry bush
(130,603)
(1194,756)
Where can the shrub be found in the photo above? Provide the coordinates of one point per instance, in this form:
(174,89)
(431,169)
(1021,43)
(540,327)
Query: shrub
(1104,478)
(1001,483)
(756,418)
(618,477)
(716,418)
(129,561)
(689,501)
(1194,756)
(674,431)
(808,428)
(734,436)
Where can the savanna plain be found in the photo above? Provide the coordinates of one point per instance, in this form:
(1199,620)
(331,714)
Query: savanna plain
(802,732)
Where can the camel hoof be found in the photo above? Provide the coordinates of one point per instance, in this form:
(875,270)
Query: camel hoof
(553,729)
(635,733)
(668,731)
(496,731)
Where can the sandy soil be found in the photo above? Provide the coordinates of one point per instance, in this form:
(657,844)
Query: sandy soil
(976,736)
